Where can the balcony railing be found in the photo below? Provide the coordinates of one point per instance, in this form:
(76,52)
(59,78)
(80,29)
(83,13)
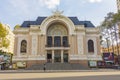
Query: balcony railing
(57,45)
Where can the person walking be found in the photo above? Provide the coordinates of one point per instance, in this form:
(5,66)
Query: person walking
(44,68)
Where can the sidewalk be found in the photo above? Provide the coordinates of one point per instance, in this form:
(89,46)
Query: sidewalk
(41,75)
(53,71)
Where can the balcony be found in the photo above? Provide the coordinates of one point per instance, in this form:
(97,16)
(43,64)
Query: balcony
(57,46)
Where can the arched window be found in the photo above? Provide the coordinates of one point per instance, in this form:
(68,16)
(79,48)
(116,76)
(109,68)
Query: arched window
(23,48)
(90,46)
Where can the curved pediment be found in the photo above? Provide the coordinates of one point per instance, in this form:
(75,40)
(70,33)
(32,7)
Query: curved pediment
(57,18)
(57,29)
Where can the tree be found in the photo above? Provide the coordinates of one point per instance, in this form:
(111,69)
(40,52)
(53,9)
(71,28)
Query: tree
(3,31)
(4,42)
(109,31)
(17,26)
(116,18)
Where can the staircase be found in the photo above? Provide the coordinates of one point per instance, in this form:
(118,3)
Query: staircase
(58,66)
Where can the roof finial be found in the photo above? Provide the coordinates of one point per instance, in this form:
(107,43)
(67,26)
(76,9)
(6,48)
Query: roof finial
(57,11)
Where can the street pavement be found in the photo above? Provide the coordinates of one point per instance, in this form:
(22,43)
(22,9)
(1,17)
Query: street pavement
(110,77)
(63,75)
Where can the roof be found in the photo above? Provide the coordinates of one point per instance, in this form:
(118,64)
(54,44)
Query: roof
(75,20)
(37,22)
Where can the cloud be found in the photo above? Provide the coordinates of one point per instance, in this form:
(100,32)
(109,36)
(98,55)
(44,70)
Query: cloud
(95,1)
(49,3)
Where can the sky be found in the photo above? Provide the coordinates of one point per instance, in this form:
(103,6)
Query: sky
(13,12)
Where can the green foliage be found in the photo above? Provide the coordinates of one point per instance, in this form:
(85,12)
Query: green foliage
(5,42)
(3,33)
(116,17)
(8,55)
(108,21)
(2,52)
(17,26)
(108,30)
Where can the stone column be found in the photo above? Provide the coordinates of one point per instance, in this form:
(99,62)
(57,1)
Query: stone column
(52,41)
(52,56)
(61,56)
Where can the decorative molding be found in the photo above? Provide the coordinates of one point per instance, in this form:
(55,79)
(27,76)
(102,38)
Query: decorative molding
(80,44)
(15,58)
(85,57)
(92,30)
(57,30)
(53,19)
(19,44)
(34,44)
(21,31)
(95,43)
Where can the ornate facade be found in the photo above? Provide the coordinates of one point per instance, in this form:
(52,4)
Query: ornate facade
(56,38)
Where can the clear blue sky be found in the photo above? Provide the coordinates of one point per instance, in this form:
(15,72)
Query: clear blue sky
(14,12)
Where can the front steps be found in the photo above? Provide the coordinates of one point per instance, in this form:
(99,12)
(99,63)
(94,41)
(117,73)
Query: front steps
(58,66)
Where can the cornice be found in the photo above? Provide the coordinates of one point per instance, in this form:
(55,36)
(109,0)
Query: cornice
(21,31)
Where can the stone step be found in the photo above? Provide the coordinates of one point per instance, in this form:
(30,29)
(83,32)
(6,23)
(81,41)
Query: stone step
(58,66)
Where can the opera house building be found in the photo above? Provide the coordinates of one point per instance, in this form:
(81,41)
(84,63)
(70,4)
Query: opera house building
(56,39)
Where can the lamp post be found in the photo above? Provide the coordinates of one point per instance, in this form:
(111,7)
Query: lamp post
(107,44)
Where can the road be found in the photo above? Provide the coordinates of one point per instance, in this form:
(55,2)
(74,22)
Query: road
(115,77)
(97,75)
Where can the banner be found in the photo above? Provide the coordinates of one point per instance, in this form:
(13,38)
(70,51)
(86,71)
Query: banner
(21,64)
(92,63)
(108,56)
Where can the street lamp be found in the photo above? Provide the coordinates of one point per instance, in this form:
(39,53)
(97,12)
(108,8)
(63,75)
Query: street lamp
(107,43)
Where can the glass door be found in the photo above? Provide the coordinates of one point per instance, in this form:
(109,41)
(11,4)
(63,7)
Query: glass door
(57,56)
(65,57)
(49,56)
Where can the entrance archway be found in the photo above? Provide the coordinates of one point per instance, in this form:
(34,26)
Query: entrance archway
(57,37)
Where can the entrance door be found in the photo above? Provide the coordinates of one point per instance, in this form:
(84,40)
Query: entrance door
(49,57)
(57,56)
(65,57)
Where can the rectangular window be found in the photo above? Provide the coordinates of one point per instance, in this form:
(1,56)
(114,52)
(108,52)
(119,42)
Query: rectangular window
(49,41)
(57,41)
(65,41)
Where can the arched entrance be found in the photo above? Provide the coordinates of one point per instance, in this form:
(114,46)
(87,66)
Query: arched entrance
(57,41)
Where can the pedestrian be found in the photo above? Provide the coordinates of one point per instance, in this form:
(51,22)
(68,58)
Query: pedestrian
(44,67)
